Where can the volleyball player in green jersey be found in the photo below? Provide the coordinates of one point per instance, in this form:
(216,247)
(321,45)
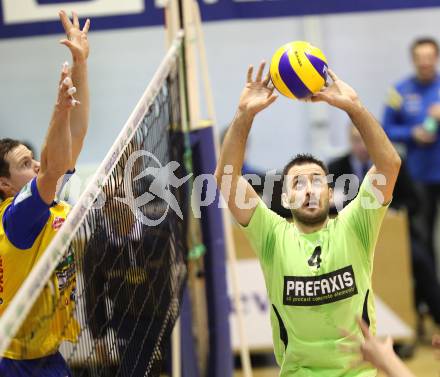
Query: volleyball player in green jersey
(317,270)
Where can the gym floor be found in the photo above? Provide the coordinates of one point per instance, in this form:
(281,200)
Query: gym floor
(424,362)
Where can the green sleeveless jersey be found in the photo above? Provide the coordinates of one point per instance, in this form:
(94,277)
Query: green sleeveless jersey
(317,284)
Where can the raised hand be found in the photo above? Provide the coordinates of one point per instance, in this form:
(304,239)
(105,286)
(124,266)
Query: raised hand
(76,37)
(379,353)
(338,94)
(257,94)
(66,90)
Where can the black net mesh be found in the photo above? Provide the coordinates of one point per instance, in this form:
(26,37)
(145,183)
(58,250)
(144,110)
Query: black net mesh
(127,262)
(133,267)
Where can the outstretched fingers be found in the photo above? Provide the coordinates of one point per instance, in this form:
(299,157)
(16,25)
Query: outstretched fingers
(75,19)
(64,73)
(332,75)
(249,73)
(69,45)
(66,89)
(348,349)
(65,21)
(267,80)
(260,71)
(259,77)
(86,26)
(357,364)
(350,336)
(364,328)
(318,97)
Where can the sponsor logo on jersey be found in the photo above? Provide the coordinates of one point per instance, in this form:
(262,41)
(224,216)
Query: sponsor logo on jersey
(57,222)
(319,290)
(413,103)
(66,273)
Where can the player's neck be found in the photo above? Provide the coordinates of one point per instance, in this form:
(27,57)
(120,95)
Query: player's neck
(426,80)
(307,228)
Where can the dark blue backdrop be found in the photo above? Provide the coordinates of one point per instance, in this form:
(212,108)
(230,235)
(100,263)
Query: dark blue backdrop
(220,10)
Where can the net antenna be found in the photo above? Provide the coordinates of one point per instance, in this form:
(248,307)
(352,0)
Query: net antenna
(149,131)
(172,29)
(196,285)
(196,62)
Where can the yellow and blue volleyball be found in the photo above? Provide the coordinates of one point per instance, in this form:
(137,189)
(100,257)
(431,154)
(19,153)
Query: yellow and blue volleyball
(298,69)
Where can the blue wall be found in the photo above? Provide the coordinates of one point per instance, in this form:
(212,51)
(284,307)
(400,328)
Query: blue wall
(368,49)
(108,15)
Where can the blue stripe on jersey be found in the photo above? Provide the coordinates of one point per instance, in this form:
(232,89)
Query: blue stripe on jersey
(25,217)
(49,366)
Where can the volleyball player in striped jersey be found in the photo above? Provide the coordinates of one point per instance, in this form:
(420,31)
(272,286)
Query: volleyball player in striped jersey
(31,216)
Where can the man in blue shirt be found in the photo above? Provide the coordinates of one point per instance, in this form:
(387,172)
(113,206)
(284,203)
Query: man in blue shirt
(405,195)
(411,117)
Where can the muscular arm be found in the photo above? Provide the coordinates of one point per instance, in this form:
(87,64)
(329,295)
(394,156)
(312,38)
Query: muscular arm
(80,114)
(56,155)
(383,154)
(385,158)
(232,155)
(255,97)
(78,45)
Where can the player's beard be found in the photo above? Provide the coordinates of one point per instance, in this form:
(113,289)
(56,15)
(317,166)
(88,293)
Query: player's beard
(300,215)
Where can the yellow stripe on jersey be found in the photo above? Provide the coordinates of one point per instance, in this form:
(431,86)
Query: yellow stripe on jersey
(394,99)
(51,318)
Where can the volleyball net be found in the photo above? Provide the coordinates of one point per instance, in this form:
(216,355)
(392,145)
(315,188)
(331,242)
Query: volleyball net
(119,260)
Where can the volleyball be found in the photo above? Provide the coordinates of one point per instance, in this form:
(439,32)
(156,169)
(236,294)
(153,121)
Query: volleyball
(298,69)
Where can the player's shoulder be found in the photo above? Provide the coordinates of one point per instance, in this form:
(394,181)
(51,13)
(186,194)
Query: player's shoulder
(60,208)
(265,219)
(398,91)
(405,84)
(62,204)
(4,205)
(334,224)
(277,220)
(344,217)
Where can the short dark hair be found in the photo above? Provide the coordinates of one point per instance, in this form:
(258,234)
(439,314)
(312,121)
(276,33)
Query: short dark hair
(6,145)
(423,41)
(302,159)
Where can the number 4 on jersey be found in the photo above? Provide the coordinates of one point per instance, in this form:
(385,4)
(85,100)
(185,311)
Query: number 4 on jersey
(315,259)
